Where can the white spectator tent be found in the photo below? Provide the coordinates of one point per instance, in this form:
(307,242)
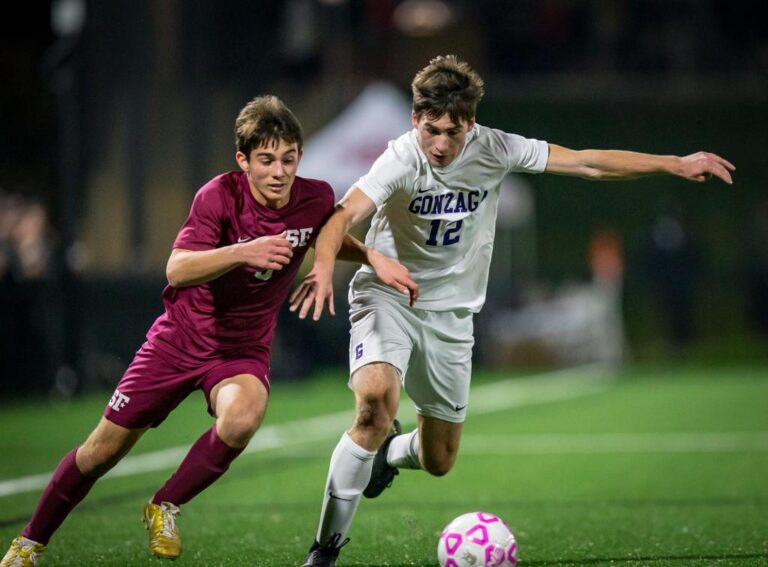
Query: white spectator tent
(345,149)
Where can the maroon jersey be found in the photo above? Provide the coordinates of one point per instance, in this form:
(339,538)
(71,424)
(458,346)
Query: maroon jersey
(237,312)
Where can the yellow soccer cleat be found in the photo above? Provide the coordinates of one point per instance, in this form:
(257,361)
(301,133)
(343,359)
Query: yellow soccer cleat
(22,553)
(164,538)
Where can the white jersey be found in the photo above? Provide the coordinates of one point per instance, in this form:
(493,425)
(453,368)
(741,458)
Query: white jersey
(440,222)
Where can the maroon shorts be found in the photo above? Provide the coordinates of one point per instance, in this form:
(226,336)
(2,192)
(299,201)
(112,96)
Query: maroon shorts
(156,382)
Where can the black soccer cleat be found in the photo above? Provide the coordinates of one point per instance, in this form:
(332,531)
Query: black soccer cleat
(325,555)
(382,473)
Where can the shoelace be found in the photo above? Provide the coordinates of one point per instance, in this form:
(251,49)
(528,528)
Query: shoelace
(333,543)
(168,513)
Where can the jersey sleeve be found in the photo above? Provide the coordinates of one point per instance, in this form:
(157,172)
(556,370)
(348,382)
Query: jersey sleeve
(388,173)
(203,228)
(525,154)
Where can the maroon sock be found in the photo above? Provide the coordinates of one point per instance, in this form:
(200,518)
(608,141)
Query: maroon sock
(207,460)
(67,487)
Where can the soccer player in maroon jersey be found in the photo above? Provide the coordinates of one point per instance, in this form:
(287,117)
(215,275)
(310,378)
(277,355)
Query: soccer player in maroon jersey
(231,268)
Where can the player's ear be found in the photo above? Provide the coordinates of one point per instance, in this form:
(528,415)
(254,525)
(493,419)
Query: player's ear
(242,161)
(470,123)
(414,119)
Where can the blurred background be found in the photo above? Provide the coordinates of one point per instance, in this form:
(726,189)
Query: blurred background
(115,113)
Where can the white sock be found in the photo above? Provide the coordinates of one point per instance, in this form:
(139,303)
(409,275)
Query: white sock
(403,451)
(348,475)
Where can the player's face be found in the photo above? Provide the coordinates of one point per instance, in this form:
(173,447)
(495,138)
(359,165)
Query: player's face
(441,139)
(271,170)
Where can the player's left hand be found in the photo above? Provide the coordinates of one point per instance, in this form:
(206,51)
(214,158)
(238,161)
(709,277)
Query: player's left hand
(701,166)
(394,274)
(317,288)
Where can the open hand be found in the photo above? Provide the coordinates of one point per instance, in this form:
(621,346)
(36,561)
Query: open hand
(701,166)
(317,288)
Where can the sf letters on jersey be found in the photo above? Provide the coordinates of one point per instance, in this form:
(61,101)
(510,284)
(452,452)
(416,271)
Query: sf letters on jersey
(118,401)
(298,237)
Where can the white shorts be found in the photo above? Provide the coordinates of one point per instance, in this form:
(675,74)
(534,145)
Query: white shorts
(432,350)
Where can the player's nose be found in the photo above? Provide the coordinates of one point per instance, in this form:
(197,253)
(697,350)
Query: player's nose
(443,143)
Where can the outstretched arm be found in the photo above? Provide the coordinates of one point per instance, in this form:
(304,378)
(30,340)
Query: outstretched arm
(619,164)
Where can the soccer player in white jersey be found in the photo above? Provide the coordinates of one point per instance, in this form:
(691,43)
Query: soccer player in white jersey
(434,194)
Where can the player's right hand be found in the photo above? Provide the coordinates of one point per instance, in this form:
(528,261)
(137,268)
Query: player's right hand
(267,252)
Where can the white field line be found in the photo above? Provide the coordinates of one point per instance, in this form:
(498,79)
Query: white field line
(613,443)
(488,398)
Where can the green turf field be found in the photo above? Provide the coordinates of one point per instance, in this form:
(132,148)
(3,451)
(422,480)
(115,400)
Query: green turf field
(653,467)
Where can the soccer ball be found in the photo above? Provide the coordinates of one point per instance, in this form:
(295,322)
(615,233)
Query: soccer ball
(477,539)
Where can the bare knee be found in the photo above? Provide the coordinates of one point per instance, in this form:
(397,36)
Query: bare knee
(238,424)
(240,403)
(95,461)
(377,395)
(104,448)
(373,416)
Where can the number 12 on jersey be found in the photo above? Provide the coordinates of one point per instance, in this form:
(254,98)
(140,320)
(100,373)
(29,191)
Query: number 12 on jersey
(450,235)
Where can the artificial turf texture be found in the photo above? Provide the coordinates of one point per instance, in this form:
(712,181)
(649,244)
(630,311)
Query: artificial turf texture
(657,467)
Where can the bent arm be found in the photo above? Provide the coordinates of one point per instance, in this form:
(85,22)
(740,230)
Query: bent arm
(193,267)
(350,211)
(620,164)
(317,286)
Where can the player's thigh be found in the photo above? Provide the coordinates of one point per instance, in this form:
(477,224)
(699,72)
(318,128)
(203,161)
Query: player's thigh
(105,446)
(441,366)
(238,384)
(379,333)
(152,386)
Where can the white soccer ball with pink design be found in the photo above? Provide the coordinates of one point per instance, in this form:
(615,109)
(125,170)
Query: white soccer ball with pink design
(477,539)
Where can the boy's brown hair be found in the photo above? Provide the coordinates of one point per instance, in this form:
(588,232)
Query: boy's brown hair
(447,85)
(266,120)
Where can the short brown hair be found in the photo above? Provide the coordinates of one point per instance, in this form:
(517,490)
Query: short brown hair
(447,85)
(266,120)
